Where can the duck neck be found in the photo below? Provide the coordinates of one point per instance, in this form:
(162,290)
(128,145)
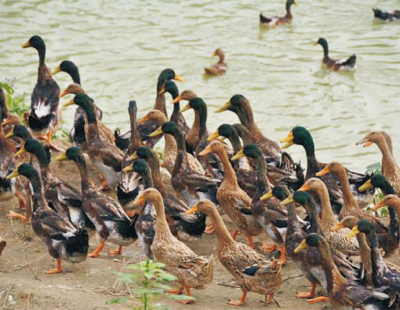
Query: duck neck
(154,164)
(349,200)
(235,141)
(162,224)
(38,198)
(388,161)
(229,173)
(181,155)
(376,256)
(312,163)
(394,212)
(42,54)
(288,10)
(136,140)
(83,171)
(293,223)
(245,114)
(262,179)
(221,58)
(327,216)
(160,103)
(333,276)
(147,179)
(202,121)
(313,216)
(223,235)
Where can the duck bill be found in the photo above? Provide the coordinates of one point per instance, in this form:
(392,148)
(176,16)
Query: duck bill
(13,174)
(338,226)
(65,92)
(132,157)
(192,210)
(225,107)
(296,3)
(267,196)
(177,99)
(315,43)
(354,232)
(381,204)
(56,70)
(366,186)
(302,246)
(67,104)
(185,108)
(239,155)
(177,77)
(214,54)
(10,134)
(288,140)
(304,188)
(206,151)
(323,172)
(25,45)
(365,142)
(62,157)
(287,201)
(156,133)
(143,119)
(127,169)
(214,136)
(21,151)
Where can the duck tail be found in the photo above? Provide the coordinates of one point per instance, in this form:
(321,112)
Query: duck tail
(264,20)
(79,243)
(351,62)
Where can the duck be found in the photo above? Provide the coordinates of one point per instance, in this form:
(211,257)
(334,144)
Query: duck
(218,68)
(187,183)
(336,65)
(192,270)
(77,132)
(269,214)
(232,199)
(336,239)
(240,105)
(341,291)
(210,163)
(254,272)
(276,21)
(109,219)
(59,195)
(310,261)
(186,228)
(105,156)
(301,136)
(245,171)
(382,275)
(386,16)
(350,207)
(390,169)
(44,115)
(64,241)
(170,148)
(176,116)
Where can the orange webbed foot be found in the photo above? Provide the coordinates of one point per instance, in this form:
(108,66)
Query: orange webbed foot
(318,299)
(12,214)
(116,251)
(209,230)
(269,248)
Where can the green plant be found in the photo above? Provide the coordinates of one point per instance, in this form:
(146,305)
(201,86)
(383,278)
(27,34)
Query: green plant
(148,283)
(375,169)
(16,103)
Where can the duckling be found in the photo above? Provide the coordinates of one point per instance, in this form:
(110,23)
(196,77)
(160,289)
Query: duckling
(336,65)
(218,68)
(192,271)
(386,16)
(108,217)
(44,116)
(63,240)
(252,270)
(276,21)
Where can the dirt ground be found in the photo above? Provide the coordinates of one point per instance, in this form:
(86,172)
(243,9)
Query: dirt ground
(88,285)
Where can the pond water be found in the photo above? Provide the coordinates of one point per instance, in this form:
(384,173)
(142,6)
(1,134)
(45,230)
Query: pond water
(121,46)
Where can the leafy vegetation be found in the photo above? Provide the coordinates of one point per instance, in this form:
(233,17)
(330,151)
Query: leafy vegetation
(148,283)
(16,103)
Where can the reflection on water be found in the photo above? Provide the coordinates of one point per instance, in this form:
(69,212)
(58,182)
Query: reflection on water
(120,48)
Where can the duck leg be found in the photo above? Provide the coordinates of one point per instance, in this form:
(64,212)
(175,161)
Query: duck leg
(176,292)
(97,252)
(20,200)
(309,294)
(15,215)
(209,229)
(239,302)
(58,269)
(188,293)
(318,299)
(269,298)
(251,241)
(282,250)
(234,234)
(269,248)
(116,251)
(47,138)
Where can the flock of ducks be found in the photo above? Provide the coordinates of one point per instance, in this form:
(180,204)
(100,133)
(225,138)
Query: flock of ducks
(162,204)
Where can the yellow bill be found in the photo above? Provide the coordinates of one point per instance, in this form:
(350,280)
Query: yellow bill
(323,172)
(240,154)
(338,226)
(366,186)
(62,157)
(132,157)
(13,174)
(267,195)
(71,102)
(56,70)
(225,107)
(21,151)
(287,201)
(193,209)
(179,78)
(185,108)
(302,246)
(288,140)
(214,136)
(157,132)
(354,232)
